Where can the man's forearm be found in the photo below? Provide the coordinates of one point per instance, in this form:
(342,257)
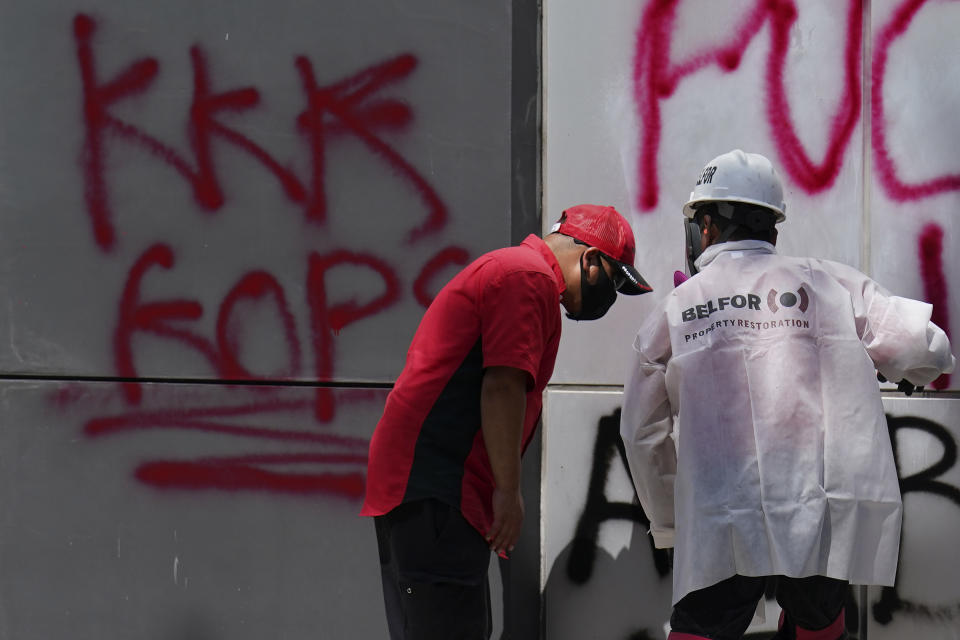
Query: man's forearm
(502,408)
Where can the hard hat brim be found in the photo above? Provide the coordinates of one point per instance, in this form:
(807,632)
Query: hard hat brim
(689,209)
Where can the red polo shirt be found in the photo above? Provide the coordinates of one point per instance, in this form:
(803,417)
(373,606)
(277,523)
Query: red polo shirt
(501,310)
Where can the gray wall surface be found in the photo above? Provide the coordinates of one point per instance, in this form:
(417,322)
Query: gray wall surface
(220,223)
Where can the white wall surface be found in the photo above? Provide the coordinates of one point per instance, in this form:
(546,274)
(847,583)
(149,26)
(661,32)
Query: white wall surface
(637,101)
(854,103)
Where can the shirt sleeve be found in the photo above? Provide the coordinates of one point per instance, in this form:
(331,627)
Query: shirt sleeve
(646,427)
(514,313)
(897,333)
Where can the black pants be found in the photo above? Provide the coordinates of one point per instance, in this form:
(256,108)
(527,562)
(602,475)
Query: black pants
(723,611)
(434,569)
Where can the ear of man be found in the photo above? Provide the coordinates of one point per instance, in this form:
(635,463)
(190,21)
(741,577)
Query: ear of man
(590,260)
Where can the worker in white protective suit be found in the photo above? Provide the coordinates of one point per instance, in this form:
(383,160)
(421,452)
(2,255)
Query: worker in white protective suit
(753,422)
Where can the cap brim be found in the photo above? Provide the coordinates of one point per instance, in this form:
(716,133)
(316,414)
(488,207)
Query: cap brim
(634,284)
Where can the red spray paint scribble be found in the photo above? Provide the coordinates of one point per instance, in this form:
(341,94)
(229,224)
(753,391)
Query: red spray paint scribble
(254,286)
(247,472)
(204,419)
(327,321)
(202,128)
(347,101)
(448,256)
(930,240)
(229,476)
(930,246)
(349,107)
(96,98)
(656,78)
(886,169)
(155,318)
(344,101)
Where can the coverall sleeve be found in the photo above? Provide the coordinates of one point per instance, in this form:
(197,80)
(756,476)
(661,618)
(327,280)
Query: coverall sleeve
(899,336)
(646,426)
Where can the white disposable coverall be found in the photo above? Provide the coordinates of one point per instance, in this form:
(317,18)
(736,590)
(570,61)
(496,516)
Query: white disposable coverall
(752,417)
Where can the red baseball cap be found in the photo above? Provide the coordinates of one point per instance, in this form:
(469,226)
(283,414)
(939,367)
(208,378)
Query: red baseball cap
(604,228)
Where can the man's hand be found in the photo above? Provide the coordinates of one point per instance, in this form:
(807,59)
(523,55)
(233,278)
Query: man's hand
(904,386)
(507,521)
(502,407)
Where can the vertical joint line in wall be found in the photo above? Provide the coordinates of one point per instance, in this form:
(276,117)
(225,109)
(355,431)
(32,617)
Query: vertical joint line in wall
(540,128)
(542,97)
(867,141)
(525,128)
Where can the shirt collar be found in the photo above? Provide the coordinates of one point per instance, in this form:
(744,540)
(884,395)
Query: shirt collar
(754,247)
(535,242)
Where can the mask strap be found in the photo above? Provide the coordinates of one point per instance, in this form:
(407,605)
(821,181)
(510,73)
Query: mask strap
(725,210)
(731,228)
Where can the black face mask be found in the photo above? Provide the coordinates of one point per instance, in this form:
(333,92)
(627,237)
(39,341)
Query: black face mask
(595,299)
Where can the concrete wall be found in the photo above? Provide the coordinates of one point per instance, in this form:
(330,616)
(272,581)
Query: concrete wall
(854,102)
(221,223)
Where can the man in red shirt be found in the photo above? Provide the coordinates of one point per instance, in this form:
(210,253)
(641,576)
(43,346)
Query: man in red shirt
(443,478)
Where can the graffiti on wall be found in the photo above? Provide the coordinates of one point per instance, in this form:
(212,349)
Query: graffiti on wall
(324,463)
(924,481)
(656,77)
(608,449)
(349,106)
(352,108)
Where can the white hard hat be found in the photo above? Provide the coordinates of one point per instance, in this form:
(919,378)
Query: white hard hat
(739,177)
